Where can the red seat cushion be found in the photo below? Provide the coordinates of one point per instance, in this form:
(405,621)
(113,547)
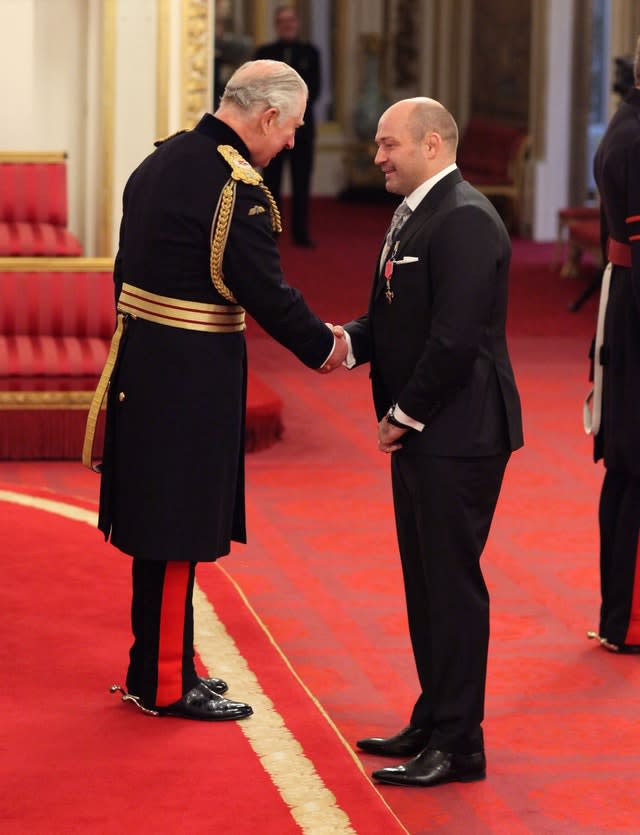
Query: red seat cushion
(585,232)
(22,238)
(56,303)
(47,356)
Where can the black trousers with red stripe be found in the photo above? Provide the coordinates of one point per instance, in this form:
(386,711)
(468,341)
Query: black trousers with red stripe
(619,576)
(161,659)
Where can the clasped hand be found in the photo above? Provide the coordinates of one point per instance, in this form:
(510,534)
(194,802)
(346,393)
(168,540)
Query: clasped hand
(340,350)
(389,436)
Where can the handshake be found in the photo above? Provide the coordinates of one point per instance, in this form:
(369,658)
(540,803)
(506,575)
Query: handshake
(340,350)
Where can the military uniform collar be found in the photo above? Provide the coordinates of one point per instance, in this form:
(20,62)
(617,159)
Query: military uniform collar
(221,134)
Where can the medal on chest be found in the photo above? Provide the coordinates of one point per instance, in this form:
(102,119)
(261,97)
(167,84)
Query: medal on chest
(388,273)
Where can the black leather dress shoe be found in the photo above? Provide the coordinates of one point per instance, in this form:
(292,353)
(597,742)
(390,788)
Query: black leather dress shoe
(408,742)
(307,243)
(216,684)
(202,703)
(432,768)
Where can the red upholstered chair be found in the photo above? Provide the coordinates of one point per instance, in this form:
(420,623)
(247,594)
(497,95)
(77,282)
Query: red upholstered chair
(33,205)
(492,156)
(57,316)
(567,220)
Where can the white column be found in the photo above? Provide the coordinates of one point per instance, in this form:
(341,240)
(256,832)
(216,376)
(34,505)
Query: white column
(551,174)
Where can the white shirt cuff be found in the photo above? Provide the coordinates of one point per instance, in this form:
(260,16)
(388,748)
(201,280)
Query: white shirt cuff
(409,421)
(350,361)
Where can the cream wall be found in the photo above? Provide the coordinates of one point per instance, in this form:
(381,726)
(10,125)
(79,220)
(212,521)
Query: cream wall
(43,86)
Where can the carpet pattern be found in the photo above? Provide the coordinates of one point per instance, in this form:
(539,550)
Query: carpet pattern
(321,573)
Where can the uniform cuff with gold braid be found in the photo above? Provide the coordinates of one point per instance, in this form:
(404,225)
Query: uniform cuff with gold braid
(393,420)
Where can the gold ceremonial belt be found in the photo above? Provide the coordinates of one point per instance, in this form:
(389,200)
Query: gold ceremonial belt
(178,313)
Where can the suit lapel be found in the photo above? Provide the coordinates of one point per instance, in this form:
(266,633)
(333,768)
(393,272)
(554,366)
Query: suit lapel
(425,210)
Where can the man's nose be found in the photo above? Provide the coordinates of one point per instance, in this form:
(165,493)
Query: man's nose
(379,157)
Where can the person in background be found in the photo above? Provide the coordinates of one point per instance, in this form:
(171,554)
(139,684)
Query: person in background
(305,58)
(449,417)
(615,417)
(197,249)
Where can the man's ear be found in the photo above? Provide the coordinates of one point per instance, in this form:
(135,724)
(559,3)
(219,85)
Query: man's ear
(268,118)
(433,144)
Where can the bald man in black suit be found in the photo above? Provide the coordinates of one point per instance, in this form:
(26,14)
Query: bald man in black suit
(449,414)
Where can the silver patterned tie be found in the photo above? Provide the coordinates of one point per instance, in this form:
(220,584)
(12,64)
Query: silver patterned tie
(400,217)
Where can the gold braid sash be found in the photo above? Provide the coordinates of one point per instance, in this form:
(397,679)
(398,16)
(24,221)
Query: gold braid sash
(241,172)
(99,395)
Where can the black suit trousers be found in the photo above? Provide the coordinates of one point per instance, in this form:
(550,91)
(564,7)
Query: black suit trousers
(443,508)
(619,515)
(300,160)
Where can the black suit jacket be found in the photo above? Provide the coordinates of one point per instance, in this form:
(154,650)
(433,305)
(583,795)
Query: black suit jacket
(439,348)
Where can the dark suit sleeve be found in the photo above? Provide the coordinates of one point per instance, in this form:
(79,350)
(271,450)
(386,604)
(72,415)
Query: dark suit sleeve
(359,332)
(253,273)
(464,256)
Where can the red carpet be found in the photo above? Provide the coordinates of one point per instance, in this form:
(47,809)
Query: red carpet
(321,571)
(78,760)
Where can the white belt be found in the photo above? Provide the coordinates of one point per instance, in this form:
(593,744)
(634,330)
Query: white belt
(592,409)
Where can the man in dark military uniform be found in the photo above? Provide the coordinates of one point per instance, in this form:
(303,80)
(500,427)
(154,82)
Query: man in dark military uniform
(197,248)
(615,418)
(305,58)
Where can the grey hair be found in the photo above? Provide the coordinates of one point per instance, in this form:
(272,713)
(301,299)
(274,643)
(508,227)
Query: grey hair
(264,83)
(430,115)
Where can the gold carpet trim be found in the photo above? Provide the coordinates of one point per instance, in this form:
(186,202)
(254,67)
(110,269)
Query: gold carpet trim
(312,805)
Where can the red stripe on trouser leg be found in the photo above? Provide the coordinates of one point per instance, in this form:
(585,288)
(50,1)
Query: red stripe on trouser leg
(170,645)
(633,631)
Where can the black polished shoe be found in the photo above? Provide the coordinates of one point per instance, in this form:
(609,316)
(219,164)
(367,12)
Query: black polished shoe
(216,684)
(431,768)
(202,703)
(305,242)
(408,742)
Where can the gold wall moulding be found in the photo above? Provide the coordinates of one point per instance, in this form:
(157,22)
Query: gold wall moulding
(32,156)
(196,61)
(45,400)
(57,264)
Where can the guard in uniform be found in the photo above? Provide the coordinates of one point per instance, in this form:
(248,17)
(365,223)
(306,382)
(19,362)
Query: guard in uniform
(305,58)
(197,249)
(615,416)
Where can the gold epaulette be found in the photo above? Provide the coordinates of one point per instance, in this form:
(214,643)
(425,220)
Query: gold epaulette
(243,172)
(240,168)
(171,135)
